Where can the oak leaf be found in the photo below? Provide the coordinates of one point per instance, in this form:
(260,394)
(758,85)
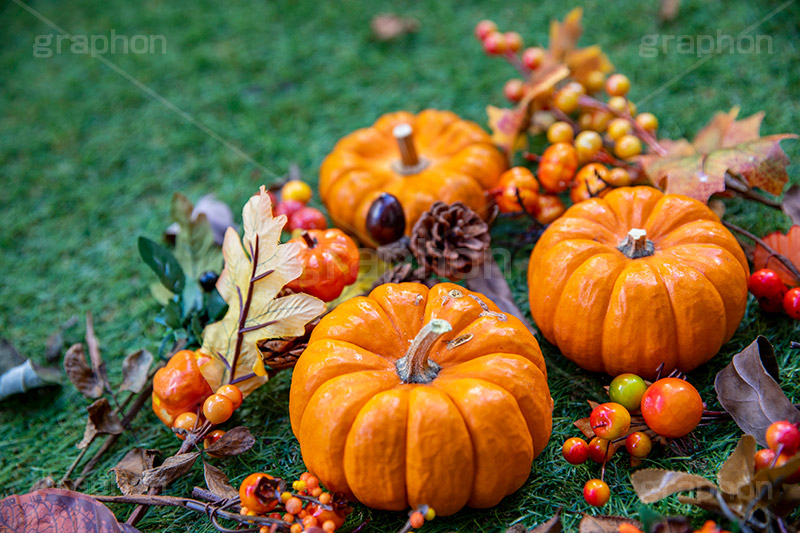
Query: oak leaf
(217,482)
(257,267)
(724,146)
(787,245)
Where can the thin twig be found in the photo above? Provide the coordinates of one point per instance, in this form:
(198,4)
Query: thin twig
(780,257)
(749,193)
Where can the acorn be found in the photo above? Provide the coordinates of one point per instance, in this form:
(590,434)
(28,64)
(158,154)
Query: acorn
(386,221)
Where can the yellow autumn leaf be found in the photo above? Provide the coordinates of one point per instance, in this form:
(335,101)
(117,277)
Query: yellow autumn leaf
(257,267)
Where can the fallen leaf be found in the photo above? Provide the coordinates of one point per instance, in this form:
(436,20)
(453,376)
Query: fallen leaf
(724,145)
(652,485)
(93,346)
(585,427)
(787,245)
(170,470)
(551,526)
(257,267)
(135,368)
(55,343)
(233,442)
(80,374)
(129,469)
(750,393)
(217,482)
(58,510)
(791,203)
(604,524)
(777,474)
(46,482)
(737,471)
(388,26)
(102,421)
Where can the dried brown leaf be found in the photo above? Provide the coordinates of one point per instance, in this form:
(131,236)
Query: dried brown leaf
(653,485)
(93,346)
(102,421)
(58,510)
(791,203)
(737,471)
(751,394)
(217,482)
(389,26)
(605,524)
(135,368)
(170,470)
(80,373)
(787,245)
(237,440)
(585,427)
(129,470)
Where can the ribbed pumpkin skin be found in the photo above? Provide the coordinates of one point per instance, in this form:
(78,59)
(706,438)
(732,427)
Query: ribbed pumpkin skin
(463,165)
(612,314)
(466,438)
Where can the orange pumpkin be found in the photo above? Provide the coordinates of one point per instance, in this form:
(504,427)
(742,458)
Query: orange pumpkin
(637,278)
(414,395)
(179,386)
(448,159)
(330,262)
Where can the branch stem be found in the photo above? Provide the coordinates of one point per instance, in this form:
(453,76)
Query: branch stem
(780,257)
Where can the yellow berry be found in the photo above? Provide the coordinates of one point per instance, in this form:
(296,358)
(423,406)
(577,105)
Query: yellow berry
(430,514)
(647,121)
(619,127)
(285,496)
(296,190)
(600,119)
(594,81)
(587,144)
(618,85)
(559,132)
(576,87)
(619,177)
(299,485)
(619,104)
(628,146)
(566,100)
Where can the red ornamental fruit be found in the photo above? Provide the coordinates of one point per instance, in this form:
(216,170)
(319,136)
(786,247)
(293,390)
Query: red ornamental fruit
(288,208)
(514,90)
(766,283)
(672,407)
(783,437)
(600,450)
(532,57)
(514,41)
(782,460)
(596,492)
(610,420)
(257,493)
(212,437)
(638,444)
(764,459)
(307,218)
(484,28)
(575,451)
(791,303)
(495,44)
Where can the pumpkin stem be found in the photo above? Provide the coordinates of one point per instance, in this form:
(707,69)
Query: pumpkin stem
(310,241)
(415,367)
(410,162)
(636,244)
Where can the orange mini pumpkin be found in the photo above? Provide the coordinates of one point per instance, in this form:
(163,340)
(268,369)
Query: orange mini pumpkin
(635,279)
(179,386)
(448,159)
(414,395)
(330,262)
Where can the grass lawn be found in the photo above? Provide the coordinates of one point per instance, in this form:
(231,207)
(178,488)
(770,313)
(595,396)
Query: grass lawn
(89,161)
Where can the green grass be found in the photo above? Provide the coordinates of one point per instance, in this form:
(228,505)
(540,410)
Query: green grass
(89,162)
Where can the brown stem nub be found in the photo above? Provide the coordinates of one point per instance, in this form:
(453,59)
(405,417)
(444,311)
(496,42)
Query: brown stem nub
(410,162)
(415,367)
(636,244)
(310,241)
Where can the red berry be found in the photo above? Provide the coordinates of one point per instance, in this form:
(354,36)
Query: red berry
(288,208)
(610,420)
(766,283)
(495,44)
(514,90)
(600,450)
(791,303)
(772,304)
(627,390)
(638,444)
(764,459)
(596,492)
(484,28)
(212,437)
(533,57)
(416,520)
(308,218)
(575,451)
(782,460)
(514,41)
(256,493)
(783,437)
(672,407)
(293,505)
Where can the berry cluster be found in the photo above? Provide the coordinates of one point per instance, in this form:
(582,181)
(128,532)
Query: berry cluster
(309,506)
(217,409)
(783,439)
(637,413)
(773,294)
(294,197)
(592,143)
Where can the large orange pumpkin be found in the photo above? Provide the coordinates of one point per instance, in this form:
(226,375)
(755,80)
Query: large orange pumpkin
(414,395)
(635,279)
(448,159)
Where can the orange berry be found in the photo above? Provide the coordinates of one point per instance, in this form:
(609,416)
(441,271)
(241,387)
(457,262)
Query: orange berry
(186,421)
(566,100)
(512,181)
(495,44)
(484,28)
(618,104)
(296,190)
(217,409)
(288,517)
(417,520)
(324,498)
(212,437)
(533,57)
(255,495)
(304,476)
(310,521)
(596,492)
(587,144)
(302,514)
(764,459)
(513,40)
(672,407)
(557,167)
(316,492)
(312,482)
(618,85)
(328,526)
(233,393)
(600,450)
(296,528)
(647,121)
(618,127)
(285,496)
(293,505)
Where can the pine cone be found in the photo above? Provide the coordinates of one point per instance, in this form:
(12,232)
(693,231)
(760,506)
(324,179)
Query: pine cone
(279,354)
(402,273)
(450,240)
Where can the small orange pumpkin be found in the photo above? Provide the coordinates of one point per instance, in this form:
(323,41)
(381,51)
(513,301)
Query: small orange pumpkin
(414,395)
(449,160)
(637,278)
(330,262)
(179,386)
